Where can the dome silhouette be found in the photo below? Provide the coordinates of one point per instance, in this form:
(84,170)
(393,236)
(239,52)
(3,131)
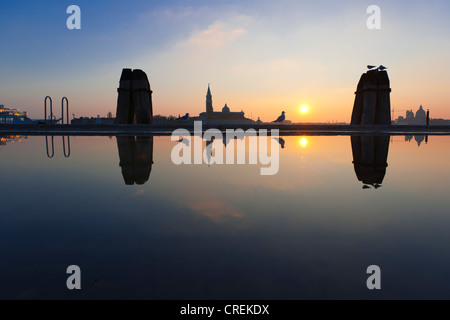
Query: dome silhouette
(420,113)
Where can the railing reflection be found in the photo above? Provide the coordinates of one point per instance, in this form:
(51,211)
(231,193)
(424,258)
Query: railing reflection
(52,154)
(66,152)
(50,147)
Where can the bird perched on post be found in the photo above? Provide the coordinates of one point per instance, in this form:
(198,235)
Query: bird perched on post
(382,68)
(370,67)
(281,118)
(185,117)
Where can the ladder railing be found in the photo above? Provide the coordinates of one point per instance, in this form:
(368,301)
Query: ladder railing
(50,107)
(51,150)
(45,109)
(50,146)
(62,110)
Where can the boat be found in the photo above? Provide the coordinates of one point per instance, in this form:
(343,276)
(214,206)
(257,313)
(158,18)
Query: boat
(15,116)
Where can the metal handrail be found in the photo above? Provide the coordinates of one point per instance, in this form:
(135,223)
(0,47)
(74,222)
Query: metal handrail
(45,109)
(62,110)
(66,154)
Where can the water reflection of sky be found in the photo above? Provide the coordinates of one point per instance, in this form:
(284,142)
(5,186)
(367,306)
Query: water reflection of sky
(224,231)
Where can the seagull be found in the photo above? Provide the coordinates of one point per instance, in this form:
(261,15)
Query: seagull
(382,68)
(281,142)
(281,118)
(185,117)
(185,141)
(370,66)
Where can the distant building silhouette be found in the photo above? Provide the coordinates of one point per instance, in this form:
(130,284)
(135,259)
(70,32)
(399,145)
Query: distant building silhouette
(420,118)
(93,121)
(225,116)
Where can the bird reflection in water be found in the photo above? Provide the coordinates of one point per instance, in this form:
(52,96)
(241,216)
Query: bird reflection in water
(136,158)
(370,159)
(281,141)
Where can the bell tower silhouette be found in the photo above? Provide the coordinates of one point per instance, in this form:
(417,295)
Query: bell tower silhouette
(209,107)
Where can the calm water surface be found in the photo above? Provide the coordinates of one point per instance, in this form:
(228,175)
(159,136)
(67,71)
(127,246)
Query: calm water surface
(141,227)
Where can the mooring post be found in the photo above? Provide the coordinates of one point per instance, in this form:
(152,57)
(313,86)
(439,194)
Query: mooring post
(370,98)
(372,101)
(142,98)
(383,111)
(134,101)
(124,111)
(359,98)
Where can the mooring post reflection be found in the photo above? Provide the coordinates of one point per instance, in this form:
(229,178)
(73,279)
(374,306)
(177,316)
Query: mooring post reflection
(136,158)
(370,159)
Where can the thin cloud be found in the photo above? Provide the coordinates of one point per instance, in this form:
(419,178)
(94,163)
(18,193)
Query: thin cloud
(215,36)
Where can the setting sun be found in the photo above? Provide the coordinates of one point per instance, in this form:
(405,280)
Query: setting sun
(303,109)
(303,142)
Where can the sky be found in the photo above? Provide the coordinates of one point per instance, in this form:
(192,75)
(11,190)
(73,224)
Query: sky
(262,57)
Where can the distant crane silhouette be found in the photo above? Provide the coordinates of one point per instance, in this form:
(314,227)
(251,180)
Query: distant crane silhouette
(281,118)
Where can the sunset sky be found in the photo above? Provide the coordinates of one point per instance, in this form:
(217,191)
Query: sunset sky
(260,56)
